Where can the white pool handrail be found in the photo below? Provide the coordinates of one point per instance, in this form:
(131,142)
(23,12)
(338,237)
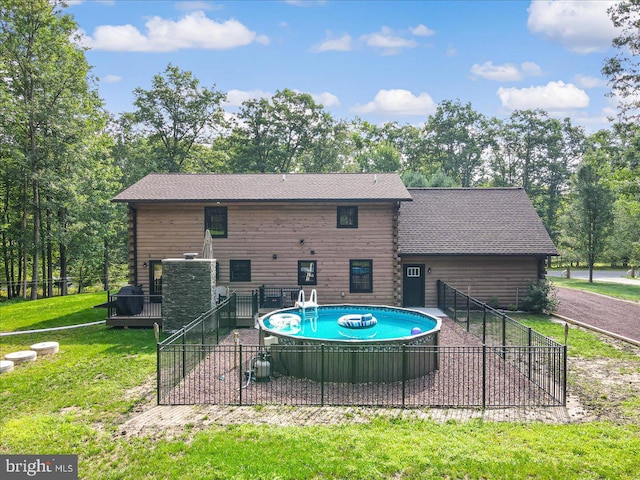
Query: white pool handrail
(311,303)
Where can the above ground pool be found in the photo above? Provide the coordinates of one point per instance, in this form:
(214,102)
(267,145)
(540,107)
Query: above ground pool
(391,324)
(360,343)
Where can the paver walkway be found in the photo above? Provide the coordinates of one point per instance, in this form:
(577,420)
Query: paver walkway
(617,316)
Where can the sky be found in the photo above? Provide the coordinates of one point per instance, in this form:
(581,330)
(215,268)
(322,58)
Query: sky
(377,60)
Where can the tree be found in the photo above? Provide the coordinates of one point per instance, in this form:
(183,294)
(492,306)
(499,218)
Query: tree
(48,97)
(623,69)
(176,114)
(457,137)
(275,135)
(565,147)
(590,213)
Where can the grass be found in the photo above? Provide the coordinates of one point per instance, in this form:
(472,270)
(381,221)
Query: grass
(580,343)
(617,290)
(75,402)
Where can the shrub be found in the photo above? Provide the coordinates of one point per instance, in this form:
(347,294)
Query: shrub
(541,296)
(493,302)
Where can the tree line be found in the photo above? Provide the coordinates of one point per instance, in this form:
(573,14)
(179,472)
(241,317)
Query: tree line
(63,157)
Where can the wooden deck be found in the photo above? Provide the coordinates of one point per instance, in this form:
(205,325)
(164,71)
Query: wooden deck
(151,313)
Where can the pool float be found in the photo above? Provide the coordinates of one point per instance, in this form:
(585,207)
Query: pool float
(285,321)
(357,321)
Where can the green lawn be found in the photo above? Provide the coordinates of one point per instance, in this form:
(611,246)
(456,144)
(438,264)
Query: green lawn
(617,290)
(75,402)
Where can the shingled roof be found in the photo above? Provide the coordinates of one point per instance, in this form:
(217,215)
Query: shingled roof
(472,221)
(167,187)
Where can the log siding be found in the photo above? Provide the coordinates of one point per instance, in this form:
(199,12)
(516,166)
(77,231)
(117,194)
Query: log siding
(274,236)
(482,277)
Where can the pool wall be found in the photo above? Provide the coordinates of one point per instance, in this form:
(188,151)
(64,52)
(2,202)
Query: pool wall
(361,361)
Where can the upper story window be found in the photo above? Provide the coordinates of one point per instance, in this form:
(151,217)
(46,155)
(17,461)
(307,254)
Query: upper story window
(215,220)
(347,217)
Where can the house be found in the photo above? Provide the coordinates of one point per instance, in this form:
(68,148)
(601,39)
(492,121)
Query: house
(487,242)
(355,238)
(336,233)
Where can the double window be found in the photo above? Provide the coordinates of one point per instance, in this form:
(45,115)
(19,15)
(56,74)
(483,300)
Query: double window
(361,276)
(347,217)
(215,220)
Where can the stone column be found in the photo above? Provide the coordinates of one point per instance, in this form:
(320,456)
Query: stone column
(187,290)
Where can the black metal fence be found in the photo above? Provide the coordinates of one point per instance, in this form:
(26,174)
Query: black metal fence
(176,357)
(511,365)
(540,358)
(467,376)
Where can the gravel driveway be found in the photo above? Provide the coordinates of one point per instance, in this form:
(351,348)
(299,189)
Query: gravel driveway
(617,316)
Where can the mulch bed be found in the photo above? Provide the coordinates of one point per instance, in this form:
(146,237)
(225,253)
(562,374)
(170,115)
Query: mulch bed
(219,379)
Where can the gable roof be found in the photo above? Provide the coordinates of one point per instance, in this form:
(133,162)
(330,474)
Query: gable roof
(472,221)
(171,187)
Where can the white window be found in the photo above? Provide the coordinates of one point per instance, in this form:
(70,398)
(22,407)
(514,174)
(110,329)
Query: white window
(413,272)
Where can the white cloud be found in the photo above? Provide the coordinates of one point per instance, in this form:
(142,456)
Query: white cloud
(111,78)
(194,30)
(531,69)
(341,44)
(553,96)
(451,52)
(326,99)
(581,26)
(398,102)
(236,97)
(422,31)
(385,39)
(507,72)
(585,81)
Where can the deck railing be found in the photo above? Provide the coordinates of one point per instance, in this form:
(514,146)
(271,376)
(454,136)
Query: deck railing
(144,306)
(150,306)
(278,297)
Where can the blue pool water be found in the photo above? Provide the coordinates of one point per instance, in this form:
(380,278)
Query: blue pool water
(392,323)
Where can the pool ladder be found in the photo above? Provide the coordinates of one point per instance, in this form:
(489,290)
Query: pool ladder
(311,303)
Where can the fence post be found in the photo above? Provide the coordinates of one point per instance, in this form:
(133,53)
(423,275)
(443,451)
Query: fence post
(484,375)
(158,375)
(455,306)
(484,322)
(504,335)
(564,366)
(322,374)
(444,298)
(240,374)
(530,352)
(184,353)
(404,372)
(468,312)
(217,322)
(202,340)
